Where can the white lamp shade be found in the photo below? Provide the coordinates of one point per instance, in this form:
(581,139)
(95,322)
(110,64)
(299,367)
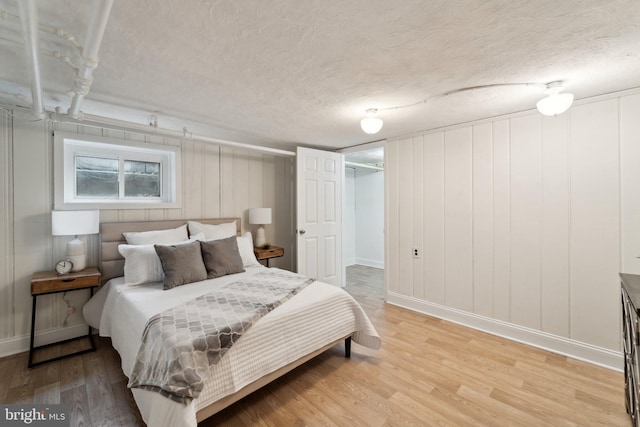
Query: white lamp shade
(260,216)
(371,125)
(554,104)
(74,223)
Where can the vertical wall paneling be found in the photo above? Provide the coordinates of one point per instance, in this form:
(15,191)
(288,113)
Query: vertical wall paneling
(526,208)
(211,184)
(226,181)
(192,191)
(264,175)
(555,226)
(433,240)
(392,221)
(595,218)
(458,219)
(483,219)
(418,216)
(630,183)
(256,182)
(525,220)
(6,229)
(405,215)
(32,229)
(240,186)
(501,221)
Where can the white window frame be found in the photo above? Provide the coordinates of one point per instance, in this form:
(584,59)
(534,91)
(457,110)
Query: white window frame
(67,146)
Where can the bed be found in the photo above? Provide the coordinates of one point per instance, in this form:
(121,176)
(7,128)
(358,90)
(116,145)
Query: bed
(313,320)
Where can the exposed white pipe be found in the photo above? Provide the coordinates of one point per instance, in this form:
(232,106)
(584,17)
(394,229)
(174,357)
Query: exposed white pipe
(29,21)
(121,125)
(58,32)
(89,58)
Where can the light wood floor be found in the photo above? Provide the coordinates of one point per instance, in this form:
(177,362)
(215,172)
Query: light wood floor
(428,372)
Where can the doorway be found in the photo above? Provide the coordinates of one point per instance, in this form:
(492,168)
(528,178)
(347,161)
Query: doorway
(364,223)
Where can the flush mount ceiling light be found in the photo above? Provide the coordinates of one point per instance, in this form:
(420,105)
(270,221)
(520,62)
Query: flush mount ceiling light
(371,124)
(555,103)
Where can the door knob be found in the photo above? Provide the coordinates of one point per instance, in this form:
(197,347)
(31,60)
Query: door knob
(302,231)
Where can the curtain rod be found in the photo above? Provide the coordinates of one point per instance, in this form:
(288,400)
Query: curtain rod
(121,125)
(363,166)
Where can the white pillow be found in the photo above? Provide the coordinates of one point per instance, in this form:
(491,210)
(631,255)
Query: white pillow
(213,231)
(245,247)
(142,264)
(173,235)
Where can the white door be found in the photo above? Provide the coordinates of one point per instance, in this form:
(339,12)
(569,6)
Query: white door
(320,176)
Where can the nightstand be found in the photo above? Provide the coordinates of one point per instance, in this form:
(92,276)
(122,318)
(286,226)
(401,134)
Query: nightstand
(49,282)
(268,253)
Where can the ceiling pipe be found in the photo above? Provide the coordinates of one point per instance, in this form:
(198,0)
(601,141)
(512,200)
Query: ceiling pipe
(89,57)
(29,21)
(121,125)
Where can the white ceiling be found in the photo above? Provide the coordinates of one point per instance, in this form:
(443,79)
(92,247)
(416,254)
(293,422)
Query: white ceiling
(303,72)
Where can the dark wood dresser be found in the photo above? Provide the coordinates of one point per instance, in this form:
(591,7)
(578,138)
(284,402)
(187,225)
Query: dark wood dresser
(631,342)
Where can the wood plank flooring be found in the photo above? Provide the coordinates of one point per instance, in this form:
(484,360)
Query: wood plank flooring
(428,372)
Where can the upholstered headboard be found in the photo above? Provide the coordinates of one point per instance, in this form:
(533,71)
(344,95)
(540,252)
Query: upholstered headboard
(112,263)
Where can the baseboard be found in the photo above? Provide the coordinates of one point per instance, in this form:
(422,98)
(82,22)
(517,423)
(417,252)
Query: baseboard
(20,344)
(370,262)
(565,346)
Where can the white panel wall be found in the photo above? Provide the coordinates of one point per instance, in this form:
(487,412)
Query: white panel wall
(458,238)
(595,223)
(6,225)
(526,204)
(483,219)
(216,181)
(554,249)
(349,225)
(630,182)
(433,229)
(501,221)
(525,220)
(369,217)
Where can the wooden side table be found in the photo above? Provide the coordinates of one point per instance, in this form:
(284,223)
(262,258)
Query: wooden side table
(268,253)
(49,282)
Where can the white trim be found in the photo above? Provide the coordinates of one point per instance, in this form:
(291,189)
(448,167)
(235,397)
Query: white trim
(565,346)
(19,344)
(370,262)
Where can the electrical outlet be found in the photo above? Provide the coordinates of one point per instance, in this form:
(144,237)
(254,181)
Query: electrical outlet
(416,253)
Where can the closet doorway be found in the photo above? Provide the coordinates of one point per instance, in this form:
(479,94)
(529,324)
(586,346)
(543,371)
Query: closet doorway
(363,236)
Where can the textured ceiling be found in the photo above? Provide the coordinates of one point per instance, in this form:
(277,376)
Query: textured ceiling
(303,72)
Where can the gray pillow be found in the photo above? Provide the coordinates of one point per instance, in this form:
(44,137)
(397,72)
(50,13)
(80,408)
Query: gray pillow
(181,264)
(221,257)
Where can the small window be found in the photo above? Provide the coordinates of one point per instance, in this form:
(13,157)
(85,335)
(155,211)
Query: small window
(99,173)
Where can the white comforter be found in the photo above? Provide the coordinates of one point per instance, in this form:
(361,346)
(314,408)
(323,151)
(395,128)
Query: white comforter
(316,316)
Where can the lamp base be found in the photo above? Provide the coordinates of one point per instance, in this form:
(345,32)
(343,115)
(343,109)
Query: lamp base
(261,241)
(77,254)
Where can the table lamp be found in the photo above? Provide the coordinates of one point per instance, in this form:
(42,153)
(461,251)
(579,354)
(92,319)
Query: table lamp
(260,216)
(75,223)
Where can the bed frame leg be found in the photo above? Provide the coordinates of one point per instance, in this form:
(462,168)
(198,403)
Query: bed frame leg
(347,347)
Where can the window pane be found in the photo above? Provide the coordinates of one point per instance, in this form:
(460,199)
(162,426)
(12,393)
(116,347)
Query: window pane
(141,179)
(96,177)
